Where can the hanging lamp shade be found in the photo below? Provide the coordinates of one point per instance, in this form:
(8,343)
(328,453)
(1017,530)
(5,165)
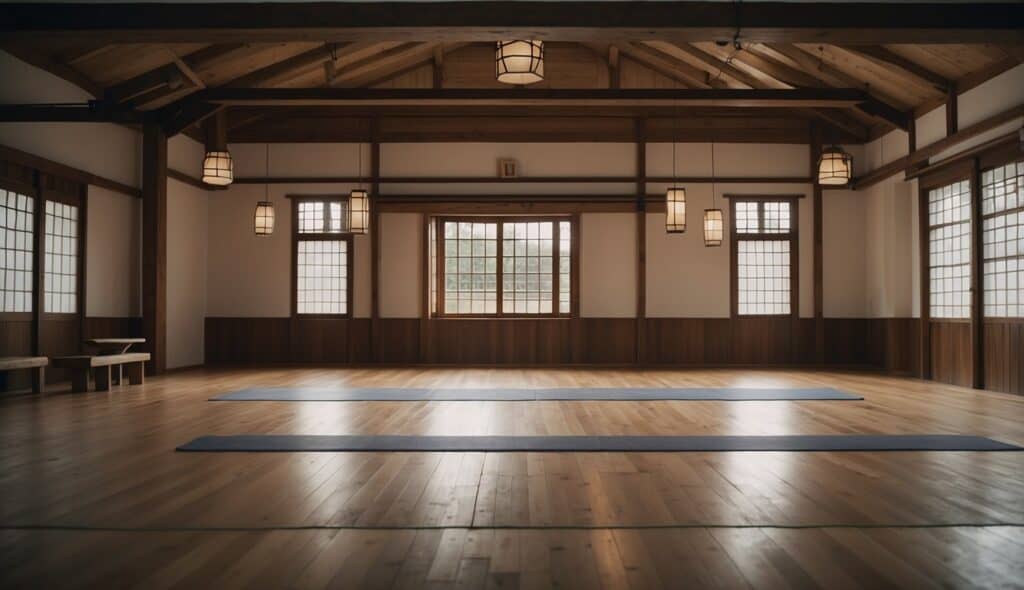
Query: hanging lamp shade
(359,211)
(834,167)
(263,218)
(218,168)
(519,62)
(675,210)
(714,227)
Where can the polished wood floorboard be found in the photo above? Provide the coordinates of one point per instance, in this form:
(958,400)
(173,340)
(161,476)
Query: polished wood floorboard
(92,494)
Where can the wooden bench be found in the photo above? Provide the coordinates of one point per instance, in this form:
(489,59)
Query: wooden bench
(36,363)
(100,365)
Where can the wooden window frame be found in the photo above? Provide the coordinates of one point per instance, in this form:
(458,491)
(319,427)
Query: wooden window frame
(320,237)
(951,175)
(574,261)
(793,237)
(994,161)
(40,195)
(75,201)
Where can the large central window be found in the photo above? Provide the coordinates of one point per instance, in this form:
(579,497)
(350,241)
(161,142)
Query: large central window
(504,266)
(323,256)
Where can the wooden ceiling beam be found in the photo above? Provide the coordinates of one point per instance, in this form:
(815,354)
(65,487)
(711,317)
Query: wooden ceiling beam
(283,70)
(819,22)
(533,97)
(884,57)
(774,68)
(666,65)
(721,65)
(380,64)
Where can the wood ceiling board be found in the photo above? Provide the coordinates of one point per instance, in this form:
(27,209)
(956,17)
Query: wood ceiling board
(305,21)
(950,61)
(728,53)
(716,67)
(316,76)
(382,65)
(124,63)
(421,76)
(243,61)
(888,81)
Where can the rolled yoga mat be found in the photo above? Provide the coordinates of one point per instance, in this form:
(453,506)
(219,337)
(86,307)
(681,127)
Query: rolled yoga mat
(301,394)
(836,442)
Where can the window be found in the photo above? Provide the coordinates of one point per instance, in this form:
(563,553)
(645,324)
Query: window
(764,256)
(16,247)
(1002,208)
(503,266)
(60,267)
(323,256)
(949,251)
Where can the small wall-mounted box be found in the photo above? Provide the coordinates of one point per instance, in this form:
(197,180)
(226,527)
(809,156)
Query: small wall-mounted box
(507,168)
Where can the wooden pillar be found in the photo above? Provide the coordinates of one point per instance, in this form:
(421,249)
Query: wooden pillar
(614,70)
(424,350)
(951,111)
(641,241)
(925,332)
(154,244)
(38,231)
(215,130)
(819,255)
(374,244)
(977,294)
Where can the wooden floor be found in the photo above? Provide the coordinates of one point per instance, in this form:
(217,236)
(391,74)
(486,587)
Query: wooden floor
(92,493)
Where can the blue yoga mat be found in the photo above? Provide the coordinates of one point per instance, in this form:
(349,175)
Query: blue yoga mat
(836,442)
(301,394)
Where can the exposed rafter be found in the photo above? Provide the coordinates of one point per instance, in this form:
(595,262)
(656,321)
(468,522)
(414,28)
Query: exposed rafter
(885,57)
(666,65)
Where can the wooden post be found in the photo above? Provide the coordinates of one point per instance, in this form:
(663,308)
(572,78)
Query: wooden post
(374,243)
(819,257)
(641,241)
(952,118)
(925,303)
(154,244)
(977,294)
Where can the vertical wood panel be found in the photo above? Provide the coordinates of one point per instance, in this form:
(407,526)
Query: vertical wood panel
(950,354)
(1004,356)
(154,244)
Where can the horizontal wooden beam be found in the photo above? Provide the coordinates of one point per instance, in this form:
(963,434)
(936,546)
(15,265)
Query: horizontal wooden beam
(521,180)
(812,22)
(95,112)
(512,97)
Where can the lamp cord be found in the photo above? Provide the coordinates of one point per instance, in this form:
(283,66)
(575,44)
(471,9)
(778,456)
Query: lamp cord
(266,174)
(712,175)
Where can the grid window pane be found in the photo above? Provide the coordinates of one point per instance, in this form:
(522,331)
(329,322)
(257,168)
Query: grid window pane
(504,267)
(322,277)
(527,267)
(763,273)
(470,267)
(1002,192)
(564,266)
(319,217)
(764,267)
(16,235)
(747,220)
(949,251)
(60,276)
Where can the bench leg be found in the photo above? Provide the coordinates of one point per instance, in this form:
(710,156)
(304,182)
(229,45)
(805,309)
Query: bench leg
(38,379)
(79,380)
(102,376)
(134,372)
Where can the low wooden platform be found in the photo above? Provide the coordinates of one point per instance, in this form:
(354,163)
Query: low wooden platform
(36,364)
(132,364)
(122,509)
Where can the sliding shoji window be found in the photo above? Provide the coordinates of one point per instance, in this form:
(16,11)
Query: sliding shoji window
(505,267)
(764,254)
(17,220)
(1002,208)
(323,257)
(949,251)
(61,258)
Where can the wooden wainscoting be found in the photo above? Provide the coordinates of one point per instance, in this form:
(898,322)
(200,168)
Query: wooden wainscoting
(884,343)
(950,356)
(1004,355)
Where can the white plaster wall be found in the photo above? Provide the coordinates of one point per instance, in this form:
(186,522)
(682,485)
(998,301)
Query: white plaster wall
(112,254)
(843,258)
(187,238)
(401,286)
(249,275)
(101,148)
(608,265)
(684,278)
